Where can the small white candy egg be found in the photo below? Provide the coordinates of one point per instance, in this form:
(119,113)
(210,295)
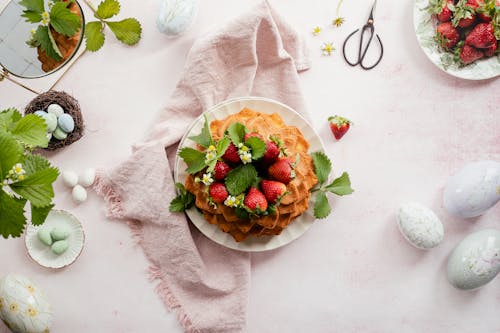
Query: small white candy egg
(79,194)
(175,16)
(420,226)
(70,178)
(473,190)
(87,177)
(55,109)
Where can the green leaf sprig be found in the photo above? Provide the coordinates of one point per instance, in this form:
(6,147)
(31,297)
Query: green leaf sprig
(127,31)
(340,186)
(24,176)
(183,201)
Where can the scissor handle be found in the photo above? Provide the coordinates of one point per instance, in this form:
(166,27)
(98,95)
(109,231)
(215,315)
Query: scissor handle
(362,51)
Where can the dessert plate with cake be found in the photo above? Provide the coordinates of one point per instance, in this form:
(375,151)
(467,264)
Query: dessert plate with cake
(245,170)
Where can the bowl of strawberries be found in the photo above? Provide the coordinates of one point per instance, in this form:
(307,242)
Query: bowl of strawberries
(252,175)
(461,37)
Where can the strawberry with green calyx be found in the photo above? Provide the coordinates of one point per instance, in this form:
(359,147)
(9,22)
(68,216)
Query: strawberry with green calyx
(339,126)
(282,170)
(255,201)
(273,190)
(464,14)
(231,155)
(443,9)
(340,186)
(482,36)
(447,35)
(486,9)
(221,170)
(218,192)
(183,201)
(469,54)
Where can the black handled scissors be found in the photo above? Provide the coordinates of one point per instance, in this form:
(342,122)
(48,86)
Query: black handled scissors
(362,52)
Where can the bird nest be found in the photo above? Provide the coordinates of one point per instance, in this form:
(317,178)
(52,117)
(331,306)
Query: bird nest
(70,106)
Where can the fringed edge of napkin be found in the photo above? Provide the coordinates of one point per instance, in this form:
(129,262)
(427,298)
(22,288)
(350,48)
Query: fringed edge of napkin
(114,209)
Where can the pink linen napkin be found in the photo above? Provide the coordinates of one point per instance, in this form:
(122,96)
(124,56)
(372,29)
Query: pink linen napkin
(256,54)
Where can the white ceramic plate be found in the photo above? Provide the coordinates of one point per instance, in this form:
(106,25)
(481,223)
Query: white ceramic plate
(42,253)
(252,244)
(425,29)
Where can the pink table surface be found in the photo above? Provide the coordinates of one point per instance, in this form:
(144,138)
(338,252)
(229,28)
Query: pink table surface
(414,126)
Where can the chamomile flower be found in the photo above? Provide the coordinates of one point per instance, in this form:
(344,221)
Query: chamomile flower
(338,21)
(316,31)
(18,169)
(230,201)
(246,157)
(207,179)
(45,18)
(327,48)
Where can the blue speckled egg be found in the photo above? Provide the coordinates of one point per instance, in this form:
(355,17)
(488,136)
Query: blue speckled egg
(66,123)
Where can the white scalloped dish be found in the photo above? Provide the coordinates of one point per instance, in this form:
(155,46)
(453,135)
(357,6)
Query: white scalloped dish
(42,254)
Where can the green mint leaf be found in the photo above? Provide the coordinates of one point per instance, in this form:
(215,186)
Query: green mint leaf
(8,119)
(31,130)
(107,9)
(341,185)
(32,16)
(127,31)
(44,39)
(94,37)
(222,145)
(322,166)
(37,186)
(204,139)
(33,5)
(39,214)
(321,207)
(12,220)
(241,213)
(240,178)
(258,147)
(236,132)
(183,201)
(195,159)
(10,153)
(63,20)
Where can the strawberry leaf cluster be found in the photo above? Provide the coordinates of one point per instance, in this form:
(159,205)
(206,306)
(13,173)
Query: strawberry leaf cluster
(24,177)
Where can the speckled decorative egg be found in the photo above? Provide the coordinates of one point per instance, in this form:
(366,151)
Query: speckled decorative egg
(476,260)
(420,226)
(55,109)
(66,123)
(175,16)
(473,190)
(23,305)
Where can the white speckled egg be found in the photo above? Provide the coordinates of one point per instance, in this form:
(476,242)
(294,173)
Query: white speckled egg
(79,194)
(476,260)
(473,190)
(175,16)
(87,177)
(23,305)
(70,178)
(420,226)
(55,109)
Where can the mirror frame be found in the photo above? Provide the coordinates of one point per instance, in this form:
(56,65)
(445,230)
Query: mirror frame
(2,67)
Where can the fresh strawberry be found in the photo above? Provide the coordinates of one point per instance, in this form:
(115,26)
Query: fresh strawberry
(465,13)
(218,192)
(255,200)
(339,126)
(273,190)
(282,170)
(481,37)
(469,54)
(486,9)
(272,153)
(447,35)
(231,154)
(221,170)
(490,51)
(255,134)
(445,14)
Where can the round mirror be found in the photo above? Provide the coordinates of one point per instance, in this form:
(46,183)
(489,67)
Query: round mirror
(37,37)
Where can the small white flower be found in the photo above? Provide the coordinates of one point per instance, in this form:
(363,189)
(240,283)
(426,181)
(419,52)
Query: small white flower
(210,156)
(243,149)
(207,179)
(45,18)
(240,144)
(211,148)
(246,158)
(230,201)
(18,169)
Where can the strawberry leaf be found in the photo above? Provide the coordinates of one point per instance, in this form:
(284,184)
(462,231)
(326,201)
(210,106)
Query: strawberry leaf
(107,9)
(12,220)
(94,37)
(10,153)
(322,166)
(195,159)
(63,20)
(204,139)
(321,207)
(33,5)
(340,186)
(257,145)
(222,146)
(39,214)
(31,130)
(127,31)
(236,132)
(44,39)
(240,178)
(183,201)
(8,119)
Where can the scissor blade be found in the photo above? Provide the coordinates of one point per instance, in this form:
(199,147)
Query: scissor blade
(370,18)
